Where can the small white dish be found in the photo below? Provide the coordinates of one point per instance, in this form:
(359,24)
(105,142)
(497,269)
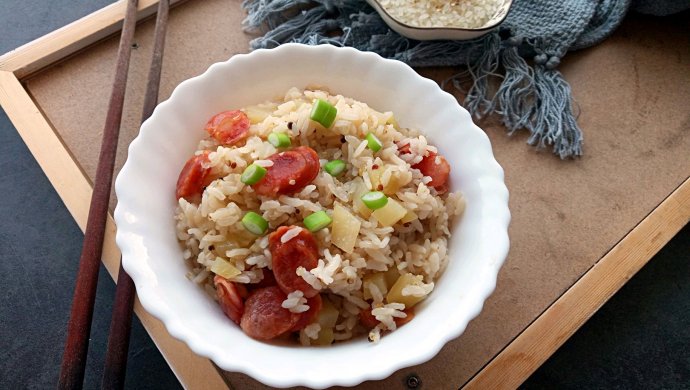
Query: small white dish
(151,255)
(432,33)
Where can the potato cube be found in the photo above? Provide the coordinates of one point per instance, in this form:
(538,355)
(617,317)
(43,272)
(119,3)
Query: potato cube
(223,268)
(395,293)
(378,279)
(391,213)
(345,228)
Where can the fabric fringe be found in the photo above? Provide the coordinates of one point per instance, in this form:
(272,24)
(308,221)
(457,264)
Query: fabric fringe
(554,122)
(515,96)
(534,98)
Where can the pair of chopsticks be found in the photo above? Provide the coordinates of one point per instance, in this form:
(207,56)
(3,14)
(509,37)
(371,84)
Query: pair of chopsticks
(79,326)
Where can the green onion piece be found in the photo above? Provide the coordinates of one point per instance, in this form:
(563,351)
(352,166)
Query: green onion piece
(373,142)
(252,174)
(374,200)
(255,223)
(317,221)
(323,112)
(335,167)
(279,140)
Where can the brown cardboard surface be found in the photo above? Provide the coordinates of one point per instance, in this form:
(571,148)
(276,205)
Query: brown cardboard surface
(632,92)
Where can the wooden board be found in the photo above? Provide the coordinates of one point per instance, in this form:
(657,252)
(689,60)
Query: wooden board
(580,228)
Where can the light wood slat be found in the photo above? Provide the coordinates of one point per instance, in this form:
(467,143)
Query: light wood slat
(60,43)
(558,323)
(75,190)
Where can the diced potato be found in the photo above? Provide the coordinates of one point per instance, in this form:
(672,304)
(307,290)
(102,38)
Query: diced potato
(223,268)
(375,178)
(409,217)
(328,316)
(393,185)
(257,114)
(391,213)
(393,121)
(325,337)
(357,203)
(395,293)
(345,228)
(379,279)
(391,276)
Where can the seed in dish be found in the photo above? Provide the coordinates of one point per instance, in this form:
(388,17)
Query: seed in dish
(315,217)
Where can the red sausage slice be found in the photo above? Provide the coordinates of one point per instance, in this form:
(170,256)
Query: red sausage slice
(230,298)
(301,250)
(315,303)
(291,172)
(267,281)
(438,172)
(264,318)
(313,163)
(192,178)
(369,321)
(228,127)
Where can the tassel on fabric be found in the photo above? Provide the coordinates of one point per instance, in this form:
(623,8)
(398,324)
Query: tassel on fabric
(477,100)
(515,97)
(267,14)
(554,122)
(294,29)
(534,98)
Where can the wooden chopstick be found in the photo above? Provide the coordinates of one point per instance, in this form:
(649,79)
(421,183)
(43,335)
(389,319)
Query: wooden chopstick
(121,322)
(79,326)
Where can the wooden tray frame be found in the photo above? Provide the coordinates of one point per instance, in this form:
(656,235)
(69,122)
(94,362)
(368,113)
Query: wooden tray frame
(508,369)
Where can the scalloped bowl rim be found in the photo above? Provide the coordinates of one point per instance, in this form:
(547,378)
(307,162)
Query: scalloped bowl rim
(492,209)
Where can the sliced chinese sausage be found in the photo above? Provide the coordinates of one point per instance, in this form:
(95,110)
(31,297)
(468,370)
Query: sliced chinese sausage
(193,177)
(267,281)
(315,303)
(436,167)
(369,321)
(264,317)
(299,251)
(228,127)
(313,163)
(438,171)
(230,298)
(291,172)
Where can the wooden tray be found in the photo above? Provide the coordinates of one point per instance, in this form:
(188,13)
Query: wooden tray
(580,228)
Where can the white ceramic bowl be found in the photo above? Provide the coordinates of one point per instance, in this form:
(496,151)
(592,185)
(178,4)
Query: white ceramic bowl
(452,33)
(145,189)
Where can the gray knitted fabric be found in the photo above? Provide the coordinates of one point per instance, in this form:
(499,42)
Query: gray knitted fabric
(523,54)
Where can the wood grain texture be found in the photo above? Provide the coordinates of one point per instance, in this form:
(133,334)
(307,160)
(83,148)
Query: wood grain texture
(115,367)
(65,41)
(76,346)
(560,321)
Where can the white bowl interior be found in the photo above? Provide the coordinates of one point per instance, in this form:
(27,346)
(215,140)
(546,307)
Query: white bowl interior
(151,255)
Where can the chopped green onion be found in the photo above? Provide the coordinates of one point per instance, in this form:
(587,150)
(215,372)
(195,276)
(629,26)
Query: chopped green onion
(252,174)
(323,112)
(279,140)
(374,200)
(373,142)
(255,223)
(317,221)
(335,167)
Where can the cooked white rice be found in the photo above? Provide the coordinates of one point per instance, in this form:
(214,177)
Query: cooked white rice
(213,228)
(442,13)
